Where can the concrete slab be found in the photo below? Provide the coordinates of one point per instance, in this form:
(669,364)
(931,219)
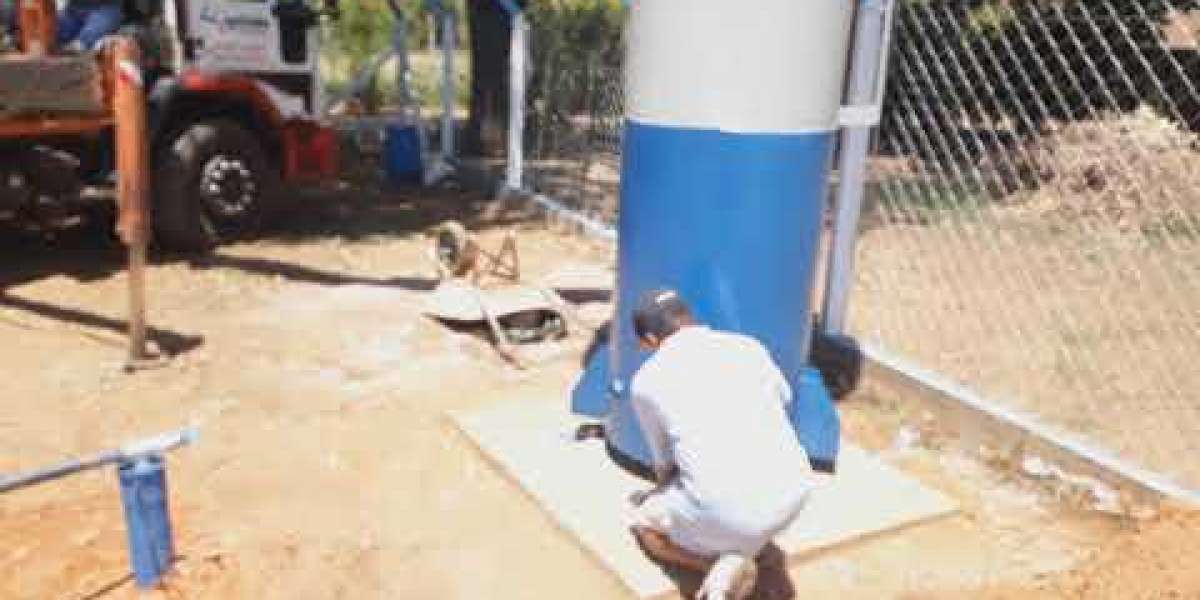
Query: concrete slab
(576,483)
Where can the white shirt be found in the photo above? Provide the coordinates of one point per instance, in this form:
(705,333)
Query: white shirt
(713,404)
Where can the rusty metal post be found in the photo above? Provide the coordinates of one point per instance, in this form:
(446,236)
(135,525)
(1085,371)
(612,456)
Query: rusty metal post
(133,182)
(39,26)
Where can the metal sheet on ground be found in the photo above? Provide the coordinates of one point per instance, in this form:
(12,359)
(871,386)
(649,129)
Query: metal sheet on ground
(460,301)
(585,493)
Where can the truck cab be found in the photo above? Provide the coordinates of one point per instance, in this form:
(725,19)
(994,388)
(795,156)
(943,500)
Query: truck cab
(233,116)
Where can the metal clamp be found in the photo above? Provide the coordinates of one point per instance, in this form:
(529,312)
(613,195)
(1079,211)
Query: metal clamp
(866,115)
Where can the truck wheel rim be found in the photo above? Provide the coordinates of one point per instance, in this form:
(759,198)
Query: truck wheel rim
(228,186)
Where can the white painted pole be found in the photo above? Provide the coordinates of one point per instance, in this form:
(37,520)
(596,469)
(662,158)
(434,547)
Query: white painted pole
(868,72)
(403,68)
(449,48)
(517,77)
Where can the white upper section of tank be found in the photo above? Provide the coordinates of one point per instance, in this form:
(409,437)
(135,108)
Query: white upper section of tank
(748,66)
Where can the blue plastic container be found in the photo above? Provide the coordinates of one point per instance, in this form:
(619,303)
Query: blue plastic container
(402,154)
(144,496)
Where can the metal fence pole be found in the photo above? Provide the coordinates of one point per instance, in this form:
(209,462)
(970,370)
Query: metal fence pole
(517,78)
(449,88)
(133,182)
(868,72)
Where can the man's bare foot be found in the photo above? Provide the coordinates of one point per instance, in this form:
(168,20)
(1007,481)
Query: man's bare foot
(639,497)
(730,578)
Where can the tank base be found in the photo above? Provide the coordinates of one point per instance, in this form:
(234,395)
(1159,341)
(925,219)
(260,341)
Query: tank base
(628,463)
(596,395)
(590,396)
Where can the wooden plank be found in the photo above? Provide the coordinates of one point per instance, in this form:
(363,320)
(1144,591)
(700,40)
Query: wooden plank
(50,84)
(585,493)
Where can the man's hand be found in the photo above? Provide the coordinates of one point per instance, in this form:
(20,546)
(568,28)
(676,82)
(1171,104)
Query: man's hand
(664,475)
(639,497)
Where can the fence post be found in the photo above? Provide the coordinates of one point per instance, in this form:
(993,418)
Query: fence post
(868,73)
(129,110)
(449,89)
(517,77)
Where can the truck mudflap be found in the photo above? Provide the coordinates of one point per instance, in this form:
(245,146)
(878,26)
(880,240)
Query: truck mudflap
(310,152)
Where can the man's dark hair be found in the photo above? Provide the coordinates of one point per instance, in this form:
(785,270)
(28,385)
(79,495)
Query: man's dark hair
(660,313)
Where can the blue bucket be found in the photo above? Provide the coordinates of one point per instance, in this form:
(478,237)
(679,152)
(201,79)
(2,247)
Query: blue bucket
(144,496)
(402,154)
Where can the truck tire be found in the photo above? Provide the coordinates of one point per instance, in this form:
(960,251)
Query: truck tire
(213,183)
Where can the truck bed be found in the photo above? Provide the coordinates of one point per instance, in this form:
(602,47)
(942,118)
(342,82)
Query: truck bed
(51,85)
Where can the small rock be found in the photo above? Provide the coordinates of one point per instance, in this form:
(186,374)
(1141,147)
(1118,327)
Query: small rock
(905,440)
(1036,467)
(1105,498)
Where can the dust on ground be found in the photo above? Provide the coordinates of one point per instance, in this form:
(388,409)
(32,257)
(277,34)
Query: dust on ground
(327,467)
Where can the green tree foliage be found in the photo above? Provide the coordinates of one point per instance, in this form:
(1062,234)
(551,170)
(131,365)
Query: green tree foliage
(364,28)
(577,49)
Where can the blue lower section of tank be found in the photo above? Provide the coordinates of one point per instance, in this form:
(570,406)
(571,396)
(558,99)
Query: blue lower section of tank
(732,221)
(590,397)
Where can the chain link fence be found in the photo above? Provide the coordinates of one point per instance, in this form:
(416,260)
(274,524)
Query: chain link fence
(575,112)
(1033,226)
(1032,219)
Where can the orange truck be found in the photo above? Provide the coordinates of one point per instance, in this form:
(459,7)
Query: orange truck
(231,92)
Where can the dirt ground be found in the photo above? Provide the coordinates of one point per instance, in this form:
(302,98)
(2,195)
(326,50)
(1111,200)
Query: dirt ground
(1091,332)
(327,467)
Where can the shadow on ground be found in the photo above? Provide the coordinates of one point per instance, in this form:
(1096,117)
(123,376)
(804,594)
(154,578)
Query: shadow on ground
(108,588)
(267,267)
(91,252)
(169,342)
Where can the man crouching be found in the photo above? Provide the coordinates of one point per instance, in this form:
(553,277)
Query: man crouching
(730,471)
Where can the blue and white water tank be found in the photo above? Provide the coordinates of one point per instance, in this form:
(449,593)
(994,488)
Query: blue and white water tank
(731,111)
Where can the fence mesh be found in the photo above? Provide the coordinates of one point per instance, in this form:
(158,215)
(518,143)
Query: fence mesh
(1032,224)
(1033,218)
(575,112)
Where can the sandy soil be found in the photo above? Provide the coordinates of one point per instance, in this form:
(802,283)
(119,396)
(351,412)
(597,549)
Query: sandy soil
(327,467)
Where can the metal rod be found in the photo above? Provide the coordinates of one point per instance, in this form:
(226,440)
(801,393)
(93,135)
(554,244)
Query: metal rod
(868,71)
(129,109)
(402,68)
(517,77)
(38,26)
(449,47)
(137,304)
(151,446)
(11,483)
